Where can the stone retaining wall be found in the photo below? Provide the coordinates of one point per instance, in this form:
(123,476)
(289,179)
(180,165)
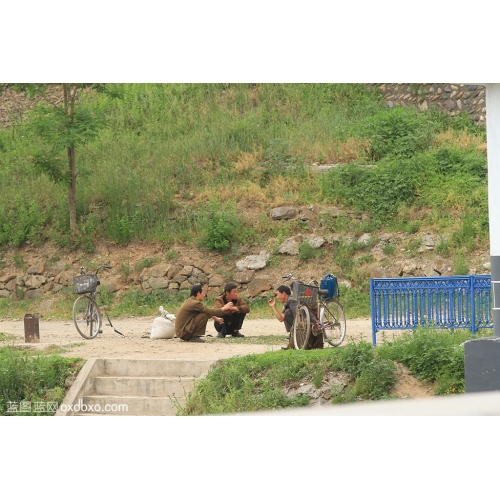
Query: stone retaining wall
(453,98)
(42,278)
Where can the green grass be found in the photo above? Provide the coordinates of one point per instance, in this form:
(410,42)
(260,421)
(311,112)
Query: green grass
(433,356)
(257,381)
(165,146)
(184,163)
(32,384)
(5,336)
(131,303)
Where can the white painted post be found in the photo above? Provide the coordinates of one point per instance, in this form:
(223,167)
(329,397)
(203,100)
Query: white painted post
(493,155)
(482,356)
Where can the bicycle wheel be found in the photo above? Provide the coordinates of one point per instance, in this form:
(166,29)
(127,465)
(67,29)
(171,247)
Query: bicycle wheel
(301,328)
(332,318)
(87,317)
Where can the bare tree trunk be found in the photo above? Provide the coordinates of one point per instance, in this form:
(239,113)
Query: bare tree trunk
(73,228)
(69,109)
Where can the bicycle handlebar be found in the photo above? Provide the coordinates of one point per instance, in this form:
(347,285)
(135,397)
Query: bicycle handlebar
(290,276)
(103,266)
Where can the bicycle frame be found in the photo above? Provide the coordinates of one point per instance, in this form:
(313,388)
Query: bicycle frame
(328,318)
(92,310)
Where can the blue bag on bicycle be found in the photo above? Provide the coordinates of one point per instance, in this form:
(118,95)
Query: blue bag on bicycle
(329,283)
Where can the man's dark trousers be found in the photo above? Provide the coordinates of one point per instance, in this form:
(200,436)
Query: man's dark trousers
(231,324)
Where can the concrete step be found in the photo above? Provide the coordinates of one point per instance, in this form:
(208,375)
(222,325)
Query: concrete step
(133,387)
(143,386)
(156,367)
(129,405)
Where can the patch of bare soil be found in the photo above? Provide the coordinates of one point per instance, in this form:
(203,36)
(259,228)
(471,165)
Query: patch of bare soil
(407,386)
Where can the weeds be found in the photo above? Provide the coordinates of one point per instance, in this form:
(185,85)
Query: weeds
(125,269)
(376,379)
(306,251)
(443,247)
(145,263)
(19,261)
(171,254)
(255,382)
(5,336)
(413,247)
(218,226)
(432,356)
(460,265)
(32,379)
(250,142)
(388,249)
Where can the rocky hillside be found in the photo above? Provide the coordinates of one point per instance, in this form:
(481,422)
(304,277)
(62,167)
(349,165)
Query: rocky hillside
(33,272)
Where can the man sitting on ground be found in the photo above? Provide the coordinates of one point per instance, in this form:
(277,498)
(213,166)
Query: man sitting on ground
(287,314)
(192,317)
(233,318)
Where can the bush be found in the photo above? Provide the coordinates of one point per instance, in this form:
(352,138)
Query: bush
(398,132)
(431,355)
(379,190)
(455,160)
(22,221)
(306,251)
(376,380)
(256,381)
(355,357)
(218,226)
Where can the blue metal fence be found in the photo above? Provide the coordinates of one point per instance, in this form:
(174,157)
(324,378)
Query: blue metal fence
(437,302)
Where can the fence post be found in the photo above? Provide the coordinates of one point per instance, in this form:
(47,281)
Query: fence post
(394,305)
(473,306)
(374,312)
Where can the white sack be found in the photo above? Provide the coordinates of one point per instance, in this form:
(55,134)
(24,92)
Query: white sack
(162,329)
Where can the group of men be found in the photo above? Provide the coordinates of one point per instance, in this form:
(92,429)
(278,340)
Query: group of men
(228,314)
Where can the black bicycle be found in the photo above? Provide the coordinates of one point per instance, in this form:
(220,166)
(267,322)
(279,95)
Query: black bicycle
(86,311)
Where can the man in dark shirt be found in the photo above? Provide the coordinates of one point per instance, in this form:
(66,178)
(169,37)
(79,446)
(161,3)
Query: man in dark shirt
(287,314)
(232,321)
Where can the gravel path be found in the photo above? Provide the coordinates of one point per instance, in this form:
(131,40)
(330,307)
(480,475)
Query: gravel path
(109,344)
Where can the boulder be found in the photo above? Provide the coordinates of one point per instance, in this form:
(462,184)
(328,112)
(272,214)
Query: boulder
(291,245)
(37,268)
(253,262)
(216,280)
(258,285)
(315,241)
(283,213)
(244,276)
(158,283)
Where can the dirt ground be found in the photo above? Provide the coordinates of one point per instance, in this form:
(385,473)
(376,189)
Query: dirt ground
(109,344)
